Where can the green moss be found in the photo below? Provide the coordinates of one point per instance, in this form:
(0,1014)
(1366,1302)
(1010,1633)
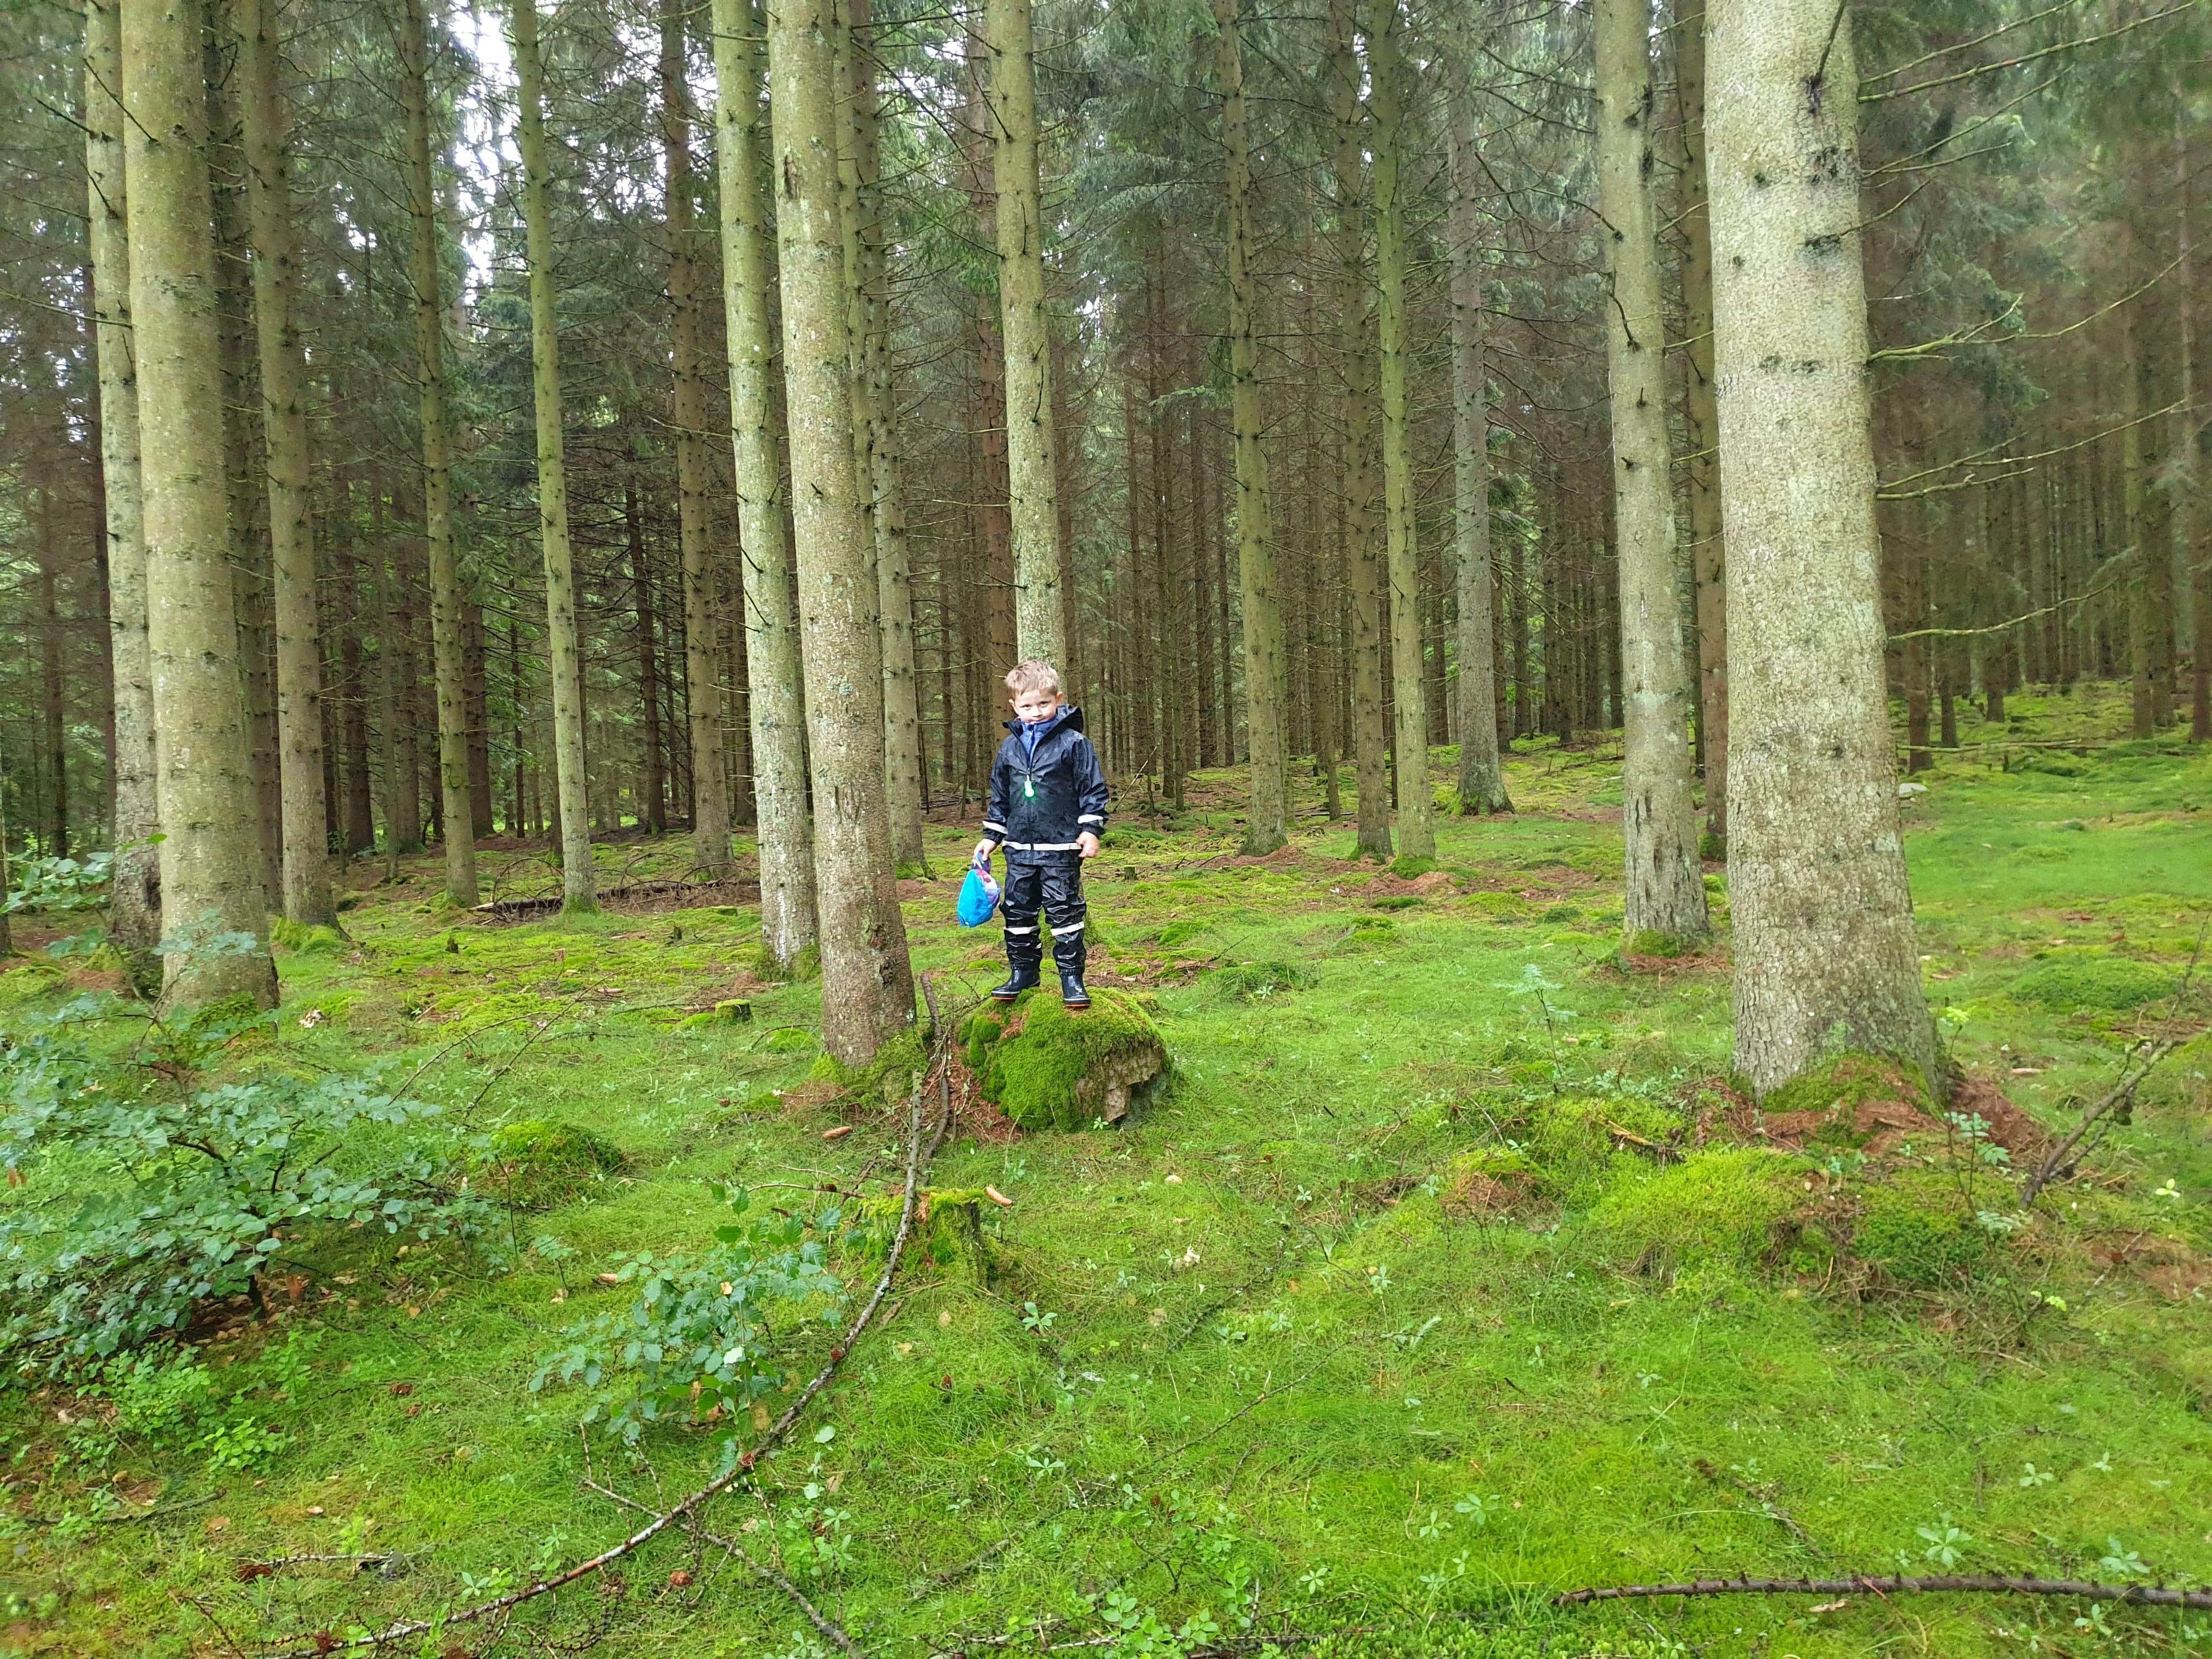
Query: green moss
(1849,1081)
(1250,981)
(890,1075)
(540,1160)
(1398,901)
(1046,1066)
(947,1242)
(1652,943)
(1176,933)
(1724,1206)
(2110,983)
(304,939)
(1407,868)
(1920,1231)
(790,1040)
(25,981)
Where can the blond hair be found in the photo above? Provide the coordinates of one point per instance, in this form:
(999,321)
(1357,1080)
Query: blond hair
(1032,676)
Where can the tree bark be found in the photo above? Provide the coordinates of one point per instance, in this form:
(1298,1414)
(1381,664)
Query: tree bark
(1264,830)
(563,644)
(211,849)
(1708,549)
(876,407)
(703,672)
(306,870)
(453,814)
(134,910)
(1031,471)
(1481,775)
(1356,370)
(775,702)
(654,813)
(1665,893)
(2189,511)
(868,981)
(1417,834)
(1823,914)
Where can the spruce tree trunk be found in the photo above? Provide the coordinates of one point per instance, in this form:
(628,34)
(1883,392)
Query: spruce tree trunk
(1665,896)
(1264,830)
(1417,834)
(1708,550)
(702,669)
(867,982)
(1481,775)
(134,911)
(2189,509)
(876,407)
(2143,619)
(306,870)
(774,700)
(564,646)
(1031,471)
(210,853)
(1356,368)
(1823,914)
(446,645)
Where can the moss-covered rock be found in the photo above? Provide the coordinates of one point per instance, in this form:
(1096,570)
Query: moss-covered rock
(2111,984)
(1049,1066)
(543,1160)
(1729,1206)
(1918,1229)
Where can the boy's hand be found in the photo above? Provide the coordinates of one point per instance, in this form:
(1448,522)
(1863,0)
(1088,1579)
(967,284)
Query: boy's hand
(984,848)
(1086,845)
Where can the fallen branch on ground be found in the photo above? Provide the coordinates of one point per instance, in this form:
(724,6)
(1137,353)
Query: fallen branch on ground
(2143,1594)
(326,1642)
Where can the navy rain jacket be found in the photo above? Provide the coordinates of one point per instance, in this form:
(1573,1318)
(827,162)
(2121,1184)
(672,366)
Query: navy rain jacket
(1041,802)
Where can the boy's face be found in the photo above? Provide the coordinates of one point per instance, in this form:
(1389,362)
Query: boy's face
(1034,706)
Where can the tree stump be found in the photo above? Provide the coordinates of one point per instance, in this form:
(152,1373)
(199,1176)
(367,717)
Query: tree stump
(1047,1067)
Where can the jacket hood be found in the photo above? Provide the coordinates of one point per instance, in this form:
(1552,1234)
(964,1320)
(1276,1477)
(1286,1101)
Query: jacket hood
(1069,715)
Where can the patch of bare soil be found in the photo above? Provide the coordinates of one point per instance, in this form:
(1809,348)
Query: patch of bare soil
(2009,1127)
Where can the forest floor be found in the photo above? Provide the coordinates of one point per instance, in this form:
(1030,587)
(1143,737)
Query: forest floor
(1437,1281)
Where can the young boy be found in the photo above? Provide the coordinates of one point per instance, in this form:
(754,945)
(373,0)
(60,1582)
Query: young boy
(1047,809)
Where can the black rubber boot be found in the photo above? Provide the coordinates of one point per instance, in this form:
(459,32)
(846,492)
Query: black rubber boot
(1020,977)
(1071,993)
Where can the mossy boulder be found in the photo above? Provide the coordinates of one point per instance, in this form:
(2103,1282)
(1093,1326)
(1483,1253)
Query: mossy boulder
(543,1160)
(2106,984)
(1918,1229)
(1729,1206)
(1049,1066)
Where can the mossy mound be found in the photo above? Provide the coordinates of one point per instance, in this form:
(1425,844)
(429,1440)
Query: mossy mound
(1727,1207)
(889,1076)
(304,939)
(542,1160)
(947,1241)
(1252,982)
(1489,1183)
(1570,1134)
(1046,1066)
(2111,984)
(1918,1229)
(1868,1102)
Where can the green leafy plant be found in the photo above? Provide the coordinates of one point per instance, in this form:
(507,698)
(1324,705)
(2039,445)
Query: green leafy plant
(695,1341)
(178,1194)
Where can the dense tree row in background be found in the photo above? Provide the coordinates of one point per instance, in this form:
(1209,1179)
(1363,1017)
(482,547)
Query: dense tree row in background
(1316,385)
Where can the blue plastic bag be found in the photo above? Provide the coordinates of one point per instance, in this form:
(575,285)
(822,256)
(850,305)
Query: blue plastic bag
(979,897)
